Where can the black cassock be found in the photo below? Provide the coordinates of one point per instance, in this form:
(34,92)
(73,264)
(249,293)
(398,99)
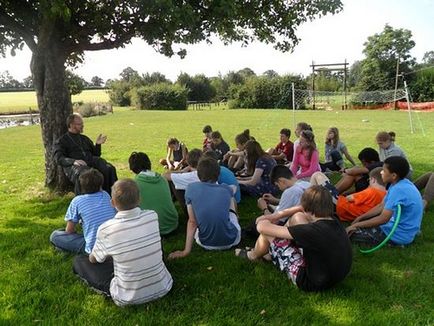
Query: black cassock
(71,147)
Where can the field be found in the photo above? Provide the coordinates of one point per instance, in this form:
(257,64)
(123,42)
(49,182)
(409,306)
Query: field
(14,102)
(37,286)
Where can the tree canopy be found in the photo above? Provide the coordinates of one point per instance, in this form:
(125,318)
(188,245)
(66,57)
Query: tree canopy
(382,52)
(59,32)
(7,81)
(74,82)
(96,25)
(428,58)
(96,81)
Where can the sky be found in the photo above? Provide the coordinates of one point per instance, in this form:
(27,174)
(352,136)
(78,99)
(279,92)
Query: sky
(330,39)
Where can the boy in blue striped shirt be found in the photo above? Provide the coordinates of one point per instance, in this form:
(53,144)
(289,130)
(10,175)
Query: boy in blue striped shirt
(91,209)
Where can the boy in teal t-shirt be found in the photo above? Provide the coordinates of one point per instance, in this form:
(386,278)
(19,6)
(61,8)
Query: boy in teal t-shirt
(154,192)
(375,225)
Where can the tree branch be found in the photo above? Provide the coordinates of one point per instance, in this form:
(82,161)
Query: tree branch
(13,25)
(106,44)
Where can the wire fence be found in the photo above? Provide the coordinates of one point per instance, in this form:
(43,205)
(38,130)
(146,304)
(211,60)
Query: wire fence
(308,99)
(398,99)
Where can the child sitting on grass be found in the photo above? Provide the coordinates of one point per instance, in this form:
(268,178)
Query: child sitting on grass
(92,208)
(179,180)
(219,146)
(259,166)
(235,159)
(207,141)
(334,150)
(293,189)
(375,225)
(226,176)
(306,158)
(284,150)
(176,158)
(312,249)
(388,148)
(359,175)
(154,192)
(212,220)
(300,127)
(126,262)
(351,206)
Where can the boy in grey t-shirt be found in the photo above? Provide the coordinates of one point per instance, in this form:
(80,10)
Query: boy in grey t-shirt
(292,189)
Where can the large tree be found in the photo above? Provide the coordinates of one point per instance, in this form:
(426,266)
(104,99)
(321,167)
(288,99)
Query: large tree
(59,32)
(96,81)
(383,51)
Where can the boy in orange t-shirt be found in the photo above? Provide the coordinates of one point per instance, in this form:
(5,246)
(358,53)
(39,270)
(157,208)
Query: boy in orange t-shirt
(351,206)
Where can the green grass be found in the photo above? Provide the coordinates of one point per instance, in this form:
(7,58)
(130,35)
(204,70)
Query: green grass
(391,286)
(17,102)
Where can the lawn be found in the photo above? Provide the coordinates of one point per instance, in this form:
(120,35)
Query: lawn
(390,286)
(19,102)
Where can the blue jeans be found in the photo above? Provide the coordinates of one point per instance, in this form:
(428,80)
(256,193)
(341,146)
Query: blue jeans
(335,164)
(72,242)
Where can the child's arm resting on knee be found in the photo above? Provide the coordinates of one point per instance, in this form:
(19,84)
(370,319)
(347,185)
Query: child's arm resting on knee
(189,238)
(288,212)
(381,219)
(266,228)
(356,170)
(374,211)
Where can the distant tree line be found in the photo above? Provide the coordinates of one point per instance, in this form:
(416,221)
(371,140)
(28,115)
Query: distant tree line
(386,64)
(75,83)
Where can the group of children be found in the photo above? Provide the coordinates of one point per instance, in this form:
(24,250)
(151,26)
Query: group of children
(119,250)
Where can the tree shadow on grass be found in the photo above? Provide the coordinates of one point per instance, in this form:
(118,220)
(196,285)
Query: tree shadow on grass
(209,288)
(35,208)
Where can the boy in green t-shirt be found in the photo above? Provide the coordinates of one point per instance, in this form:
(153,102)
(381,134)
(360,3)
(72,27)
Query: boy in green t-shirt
(154,192)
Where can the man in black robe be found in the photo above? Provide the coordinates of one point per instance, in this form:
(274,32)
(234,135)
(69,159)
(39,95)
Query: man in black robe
(76,153)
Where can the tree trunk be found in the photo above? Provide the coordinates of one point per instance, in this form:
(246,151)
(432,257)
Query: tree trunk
(54,102)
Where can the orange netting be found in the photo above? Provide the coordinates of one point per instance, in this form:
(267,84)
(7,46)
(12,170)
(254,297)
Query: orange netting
(401,105)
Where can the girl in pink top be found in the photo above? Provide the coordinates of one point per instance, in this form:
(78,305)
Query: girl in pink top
(306,157)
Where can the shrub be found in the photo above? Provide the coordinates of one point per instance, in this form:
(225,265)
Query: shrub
(422,88)
(233,104)
(161,96)
(119,93)
(92,109)
(265,92)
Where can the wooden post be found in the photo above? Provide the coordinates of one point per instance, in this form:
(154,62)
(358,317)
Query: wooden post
(396,85)
(313,85)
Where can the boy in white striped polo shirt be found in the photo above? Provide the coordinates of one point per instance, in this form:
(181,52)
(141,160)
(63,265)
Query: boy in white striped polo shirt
(126,262)
(92,208)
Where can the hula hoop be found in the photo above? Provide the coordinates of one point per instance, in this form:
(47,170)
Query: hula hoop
(382,243)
